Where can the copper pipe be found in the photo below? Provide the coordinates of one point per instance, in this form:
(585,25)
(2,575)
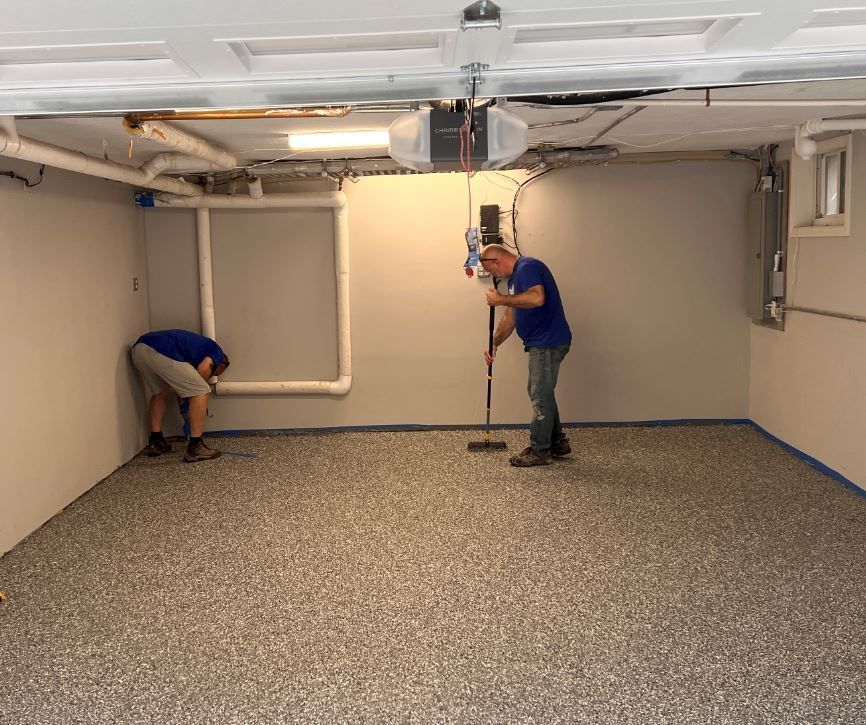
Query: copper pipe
(325,112)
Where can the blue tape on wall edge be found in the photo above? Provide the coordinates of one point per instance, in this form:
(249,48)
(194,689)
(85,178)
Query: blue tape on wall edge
(822,467)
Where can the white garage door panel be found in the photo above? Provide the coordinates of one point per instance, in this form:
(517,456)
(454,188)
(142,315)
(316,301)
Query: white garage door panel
(91,56)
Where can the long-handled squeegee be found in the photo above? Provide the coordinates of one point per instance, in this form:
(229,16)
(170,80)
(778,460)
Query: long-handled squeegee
(487,444)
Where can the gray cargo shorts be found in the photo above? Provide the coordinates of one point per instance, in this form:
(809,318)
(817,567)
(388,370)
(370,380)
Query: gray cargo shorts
(157,371)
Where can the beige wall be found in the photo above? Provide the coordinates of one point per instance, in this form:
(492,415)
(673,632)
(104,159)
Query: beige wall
(71,411)
(650,260)
(808,383)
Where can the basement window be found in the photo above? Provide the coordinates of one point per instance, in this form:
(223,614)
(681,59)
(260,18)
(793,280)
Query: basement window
(829,189)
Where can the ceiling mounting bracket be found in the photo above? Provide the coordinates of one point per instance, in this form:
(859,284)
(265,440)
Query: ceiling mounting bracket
(473,73)
(481,14)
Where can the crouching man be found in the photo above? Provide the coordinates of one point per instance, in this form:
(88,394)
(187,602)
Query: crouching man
(178,362)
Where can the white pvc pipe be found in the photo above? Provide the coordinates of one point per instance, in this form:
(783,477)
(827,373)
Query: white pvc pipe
(205,272)
(168,160)
(29,149)
(343,382)
(182,141)
(254,187)
(335,200)
(309,199)
(820,125)
(806,147)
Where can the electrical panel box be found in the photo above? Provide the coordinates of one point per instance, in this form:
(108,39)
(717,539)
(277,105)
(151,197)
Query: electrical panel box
(489,223)
(765,252)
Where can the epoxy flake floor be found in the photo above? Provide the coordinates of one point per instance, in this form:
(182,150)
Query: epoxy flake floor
(686,574)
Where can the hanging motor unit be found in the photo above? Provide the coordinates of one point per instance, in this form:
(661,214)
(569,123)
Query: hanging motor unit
(430,139)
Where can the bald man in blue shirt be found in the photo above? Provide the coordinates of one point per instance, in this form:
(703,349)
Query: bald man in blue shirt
(533,307)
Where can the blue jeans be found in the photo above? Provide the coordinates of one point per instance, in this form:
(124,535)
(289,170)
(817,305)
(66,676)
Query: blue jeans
(546,428)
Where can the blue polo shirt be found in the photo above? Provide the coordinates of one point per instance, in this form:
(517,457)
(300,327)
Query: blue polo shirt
(543,326)
(184,346)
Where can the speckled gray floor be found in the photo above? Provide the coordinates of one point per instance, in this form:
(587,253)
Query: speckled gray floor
(696,574)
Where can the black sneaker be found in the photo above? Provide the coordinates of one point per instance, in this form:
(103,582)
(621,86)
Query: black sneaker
(200,452)
(530,457)
(157,448)
(561,449)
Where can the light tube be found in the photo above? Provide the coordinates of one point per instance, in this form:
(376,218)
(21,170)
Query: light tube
(338,140)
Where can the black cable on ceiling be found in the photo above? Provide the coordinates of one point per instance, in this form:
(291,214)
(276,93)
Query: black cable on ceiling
(586,99)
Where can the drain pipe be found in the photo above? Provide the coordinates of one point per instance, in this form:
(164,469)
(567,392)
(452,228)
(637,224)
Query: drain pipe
(308,199)
(254,187)
(336,201)
(181,141)
(176,162)
(806,147)
(205,272)
(28,149)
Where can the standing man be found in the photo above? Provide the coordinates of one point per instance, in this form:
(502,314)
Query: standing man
(181,362)
(533,306)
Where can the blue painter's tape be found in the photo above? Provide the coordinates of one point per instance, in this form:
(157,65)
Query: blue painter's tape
(823,468)
(659,423)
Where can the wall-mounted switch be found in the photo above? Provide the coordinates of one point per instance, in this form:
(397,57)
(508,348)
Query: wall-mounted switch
(135,284)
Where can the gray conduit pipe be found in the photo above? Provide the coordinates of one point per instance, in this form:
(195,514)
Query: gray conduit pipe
(824,313)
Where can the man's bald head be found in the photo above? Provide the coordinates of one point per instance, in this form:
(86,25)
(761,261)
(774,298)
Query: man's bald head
(495,250)
(498,260)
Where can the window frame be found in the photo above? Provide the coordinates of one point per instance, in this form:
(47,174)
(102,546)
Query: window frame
(831,225)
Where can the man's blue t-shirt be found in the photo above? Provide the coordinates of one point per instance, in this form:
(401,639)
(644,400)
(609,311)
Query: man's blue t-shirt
(543,326)
(184,346)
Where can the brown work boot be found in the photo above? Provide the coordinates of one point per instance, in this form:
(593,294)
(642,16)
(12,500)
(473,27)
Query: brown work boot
(530,457)
(561,449)
(199,452)
(157,448)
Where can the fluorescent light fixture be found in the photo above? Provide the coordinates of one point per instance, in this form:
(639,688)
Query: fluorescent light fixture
(338,140)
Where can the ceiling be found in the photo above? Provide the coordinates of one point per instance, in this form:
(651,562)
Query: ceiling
(652,128)
(69,71)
